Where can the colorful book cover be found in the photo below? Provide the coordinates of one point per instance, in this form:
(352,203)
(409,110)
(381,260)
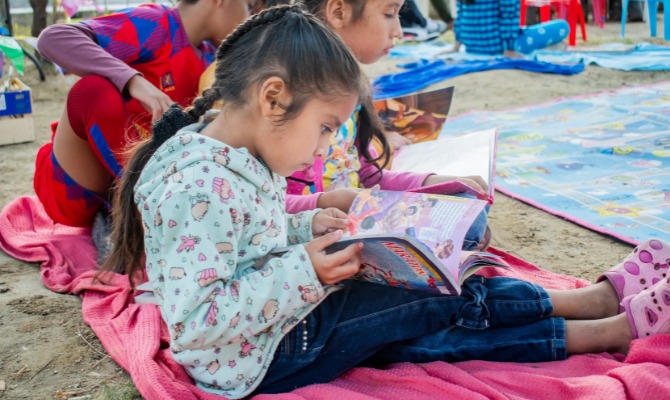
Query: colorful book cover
(414,240)
(419,117)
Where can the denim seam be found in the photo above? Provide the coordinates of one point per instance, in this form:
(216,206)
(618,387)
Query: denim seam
(287,344)
(556,340)
(459,322)
(543,300)
(552,342)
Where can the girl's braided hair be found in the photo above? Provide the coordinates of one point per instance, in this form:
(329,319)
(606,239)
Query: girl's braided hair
(282,41)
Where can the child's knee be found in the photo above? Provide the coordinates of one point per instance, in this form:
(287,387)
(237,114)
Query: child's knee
(65,201)
(92,98)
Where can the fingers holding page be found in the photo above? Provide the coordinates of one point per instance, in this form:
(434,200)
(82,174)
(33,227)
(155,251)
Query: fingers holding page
(329,220)
(332,268)
(476,182)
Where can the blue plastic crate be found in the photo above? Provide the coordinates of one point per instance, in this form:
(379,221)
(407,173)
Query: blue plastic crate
(15,103)
(16,116)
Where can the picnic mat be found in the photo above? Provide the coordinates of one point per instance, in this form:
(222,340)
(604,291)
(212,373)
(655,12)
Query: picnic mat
(136,338)
(640,57)
(601,161)
(422,73)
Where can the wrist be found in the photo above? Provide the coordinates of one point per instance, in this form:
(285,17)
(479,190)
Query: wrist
(429,180)
(132,79)
(321,202)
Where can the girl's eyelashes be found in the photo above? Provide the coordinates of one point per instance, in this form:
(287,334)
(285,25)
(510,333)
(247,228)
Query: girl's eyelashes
(326,129)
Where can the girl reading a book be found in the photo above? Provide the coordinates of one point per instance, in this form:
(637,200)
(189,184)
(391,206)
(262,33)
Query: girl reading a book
(201,205)
(369,28)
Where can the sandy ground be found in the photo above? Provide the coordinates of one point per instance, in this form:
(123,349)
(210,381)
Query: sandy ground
(47,351)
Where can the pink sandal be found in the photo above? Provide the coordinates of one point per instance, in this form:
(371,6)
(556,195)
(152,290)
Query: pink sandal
(641,269)
(648,312)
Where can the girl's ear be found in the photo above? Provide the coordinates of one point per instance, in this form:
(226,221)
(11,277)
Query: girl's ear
(337,14)
(273,97)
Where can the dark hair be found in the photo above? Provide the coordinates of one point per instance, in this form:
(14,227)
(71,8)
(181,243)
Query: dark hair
(257,7)
(370,127)
(282,41)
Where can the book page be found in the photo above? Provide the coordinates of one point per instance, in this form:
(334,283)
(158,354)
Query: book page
(398,263)
(438,222)
(471,261)
(468,154)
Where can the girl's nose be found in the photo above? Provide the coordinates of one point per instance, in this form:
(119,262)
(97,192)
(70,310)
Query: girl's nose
(396,32)
(322,146)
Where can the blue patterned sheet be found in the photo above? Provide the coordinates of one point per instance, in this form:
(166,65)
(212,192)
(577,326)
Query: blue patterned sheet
(602,161)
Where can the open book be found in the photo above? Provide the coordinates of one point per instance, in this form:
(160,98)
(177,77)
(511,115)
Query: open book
(414,240)
(469,154)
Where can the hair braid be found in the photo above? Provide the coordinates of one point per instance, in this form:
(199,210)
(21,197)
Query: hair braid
(203,103)
(265,17)
(169,123)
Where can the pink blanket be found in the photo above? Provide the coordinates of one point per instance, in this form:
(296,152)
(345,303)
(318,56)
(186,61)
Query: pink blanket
(135,337)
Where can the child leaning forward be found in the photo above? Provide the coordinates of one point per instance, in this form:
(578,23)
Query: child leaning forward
(199,211)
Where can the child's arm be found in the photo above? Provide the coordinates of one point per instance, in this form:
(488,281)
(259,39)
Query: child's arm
(390,180)
(299,226)
(74,48)
(296,203)
(211,295)
(338,198)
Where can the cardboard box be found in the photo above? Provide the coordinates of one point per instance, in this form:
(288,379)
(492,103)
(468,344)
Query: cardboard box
(16,115)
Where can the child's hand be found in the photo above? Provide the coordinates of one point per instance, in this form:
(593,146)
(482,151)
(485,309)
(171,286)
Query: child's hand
(332,268)
(475,182)
(338,198)
(152,99)
(329,220)
(396,140)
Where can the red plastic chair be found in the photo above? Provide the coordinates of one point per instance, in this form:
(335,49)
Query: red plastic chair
(599,12)
(572,7)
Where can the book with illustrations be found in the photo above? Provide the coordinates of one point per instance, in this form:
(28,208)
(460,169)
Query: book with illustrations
(414,240)
(418,116)
(468,154)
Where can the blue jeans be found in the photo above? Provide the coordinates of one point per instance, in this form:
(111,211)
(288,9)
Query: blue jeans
(475,235)
(497,319)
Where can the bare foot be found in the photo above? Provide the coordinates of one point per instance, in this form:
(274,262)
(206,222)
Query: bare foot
(512,54)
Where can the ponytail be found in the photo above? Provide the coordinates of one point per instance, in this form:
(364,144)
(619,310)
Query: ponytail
(369,128)
(127,231)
